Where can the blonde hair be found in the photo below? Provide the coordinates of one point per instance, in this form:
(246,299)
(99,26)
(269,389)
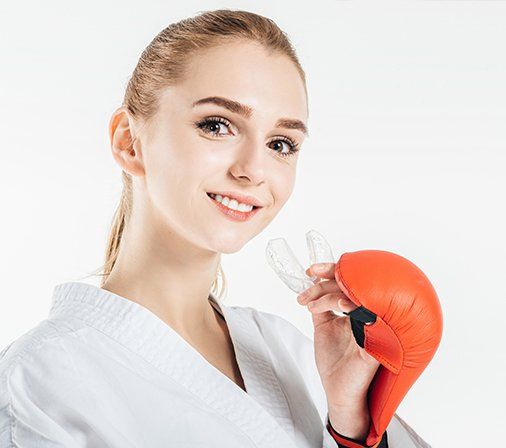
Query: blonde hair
(163,63)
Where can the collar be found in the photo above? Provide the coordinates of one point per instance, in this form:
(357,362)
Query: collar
(263,413)
(125,320)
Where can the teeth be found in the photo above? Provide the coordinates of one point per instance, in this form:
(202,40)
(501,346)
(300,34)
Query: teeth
(231,203)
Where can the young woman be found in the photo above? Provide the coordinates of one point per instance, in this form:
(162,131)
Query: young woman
(207,140)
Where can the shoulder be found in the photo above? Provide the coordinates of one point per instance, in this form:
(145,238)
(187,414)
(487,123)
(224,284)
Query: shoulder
(25,345)
(33,372)
(13,359)
(40,349)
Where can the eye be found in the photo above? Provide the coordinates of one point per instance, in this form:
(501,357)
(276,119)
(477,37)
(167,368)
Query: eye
(212,125)
(293,147)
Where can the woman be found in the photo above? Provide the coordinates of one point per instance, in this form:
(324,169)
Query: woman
(207,140)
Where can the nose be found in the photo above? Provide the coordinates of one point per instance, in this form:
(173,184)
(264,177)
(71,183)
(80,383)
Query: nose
(250,162)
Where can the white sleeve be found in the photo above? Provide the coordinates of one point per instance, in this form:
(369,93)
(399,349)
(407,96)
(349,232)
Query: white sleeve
(403,435)
(23,424)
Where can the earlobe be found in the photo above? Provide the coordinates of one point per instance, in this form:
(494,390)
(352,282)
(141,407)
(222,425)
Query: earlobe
(123,145)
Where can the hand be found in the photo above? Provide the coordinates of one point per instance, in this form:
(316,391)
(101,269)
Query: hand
(345,368)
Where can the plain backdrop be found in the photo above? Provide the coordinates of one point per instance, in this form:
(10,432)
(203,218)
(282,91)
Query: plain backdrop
(407,153)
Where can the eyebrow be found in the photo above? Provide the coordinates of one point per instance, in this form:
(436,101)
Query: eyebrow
(247,111)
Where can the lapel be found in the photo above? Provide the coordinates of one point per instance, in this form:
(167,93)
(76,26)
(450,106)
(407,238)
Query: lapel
(262,413)
(255,364)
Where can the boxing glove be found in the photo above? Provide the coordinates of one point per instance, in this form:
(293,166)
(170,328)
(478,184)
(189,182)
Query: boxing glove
(398,321)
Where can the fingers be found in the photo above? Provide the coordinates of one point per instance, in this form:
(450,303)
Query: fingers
(322,270)
(347,305)
(319,289)
(331,302)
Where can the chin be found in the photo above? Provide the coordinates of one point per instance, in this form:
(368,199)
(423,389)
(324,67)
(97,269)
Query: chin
(230,245)
(230,248)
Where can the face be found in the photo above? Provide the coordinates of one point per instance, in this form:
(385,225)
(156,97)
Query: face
(191,149)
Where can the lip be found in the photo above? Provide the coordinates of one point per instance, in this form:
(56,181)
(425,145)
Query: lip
(244,198)
(234,215)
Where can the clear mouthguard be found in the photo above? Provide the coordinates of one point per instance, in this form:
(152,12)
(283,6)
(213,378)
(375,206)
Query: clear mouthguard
(283,261)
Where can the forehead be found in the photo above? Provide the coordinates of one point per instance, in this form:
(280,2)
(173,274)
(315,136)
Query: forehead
(244,71)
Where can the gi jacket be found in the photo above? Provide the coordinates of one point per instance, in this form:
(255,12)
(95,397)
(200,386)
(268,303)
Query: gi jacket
(104,371)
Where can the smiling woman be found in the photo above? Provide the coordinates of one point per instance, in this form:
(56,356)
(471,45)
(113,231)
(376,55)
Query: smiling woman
(207,138)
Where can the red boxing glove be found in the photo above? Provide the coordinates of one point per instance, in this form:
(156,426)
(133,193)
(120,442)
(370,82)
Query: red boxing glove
(405,329)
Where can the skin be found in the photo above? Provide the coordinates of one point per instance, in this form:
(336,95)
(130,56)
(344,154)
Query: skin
(345,368)
(172,246)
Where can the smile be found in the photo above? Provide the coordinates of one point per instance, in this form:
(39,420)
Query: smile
(234,215)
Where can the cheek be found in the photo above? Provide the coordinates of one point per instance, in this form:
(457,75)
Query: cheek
(176,172)
(283,185)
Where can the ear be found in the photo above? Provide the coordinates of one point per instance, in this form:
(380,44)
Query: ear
(124,146)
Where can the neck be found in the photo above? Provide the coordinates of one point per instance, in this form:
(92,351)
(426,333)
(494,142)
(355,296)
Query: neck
(166,274)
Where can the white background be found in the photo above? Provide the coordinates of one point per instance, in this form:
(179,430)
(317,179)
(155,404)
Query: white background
(406,153)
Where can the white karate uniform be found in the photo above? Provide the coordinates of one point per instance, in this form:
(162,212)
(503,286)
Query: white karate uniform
(104,371)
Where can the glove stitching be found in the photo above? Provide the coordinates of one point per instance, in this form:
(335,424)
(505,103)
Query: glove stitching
(353,295)
(371,351)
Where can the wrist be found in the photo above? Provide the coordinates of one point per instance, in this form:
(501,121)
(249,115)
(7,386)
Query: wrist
(351,422)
